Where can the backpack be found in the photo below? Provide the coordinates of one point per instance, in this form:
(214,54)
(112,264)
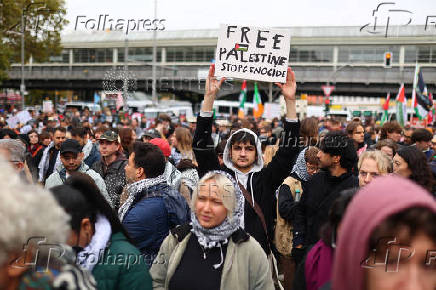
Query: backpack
(283,229)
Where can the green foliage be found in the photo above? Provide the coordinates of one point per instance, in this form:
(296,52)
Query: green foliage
(44,19)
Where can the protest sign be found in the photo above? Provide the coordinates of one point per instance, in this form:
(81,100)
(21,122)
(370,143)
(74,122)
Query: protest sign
(12,122)
(24,117)
(47,106)
(251,53)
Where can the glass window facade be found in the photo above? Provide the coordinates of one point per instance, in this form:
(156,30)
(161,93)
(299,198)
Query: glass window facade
(190,54)
(311,54)
(140,54)
(92,55)
(64,57)
(421,54)
(367,54)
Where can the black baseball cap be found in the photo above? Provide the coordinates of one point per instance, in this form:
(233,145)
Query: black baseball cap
(71,145)
(152,133)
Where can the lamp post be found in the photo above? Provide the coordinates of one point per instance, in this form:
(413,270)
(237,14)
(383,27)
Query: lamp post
(153,68)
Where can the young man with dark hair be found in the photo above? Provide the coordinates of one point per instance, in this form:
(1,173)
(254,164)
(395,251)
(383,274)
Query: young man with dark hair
(71,156)
(90,151)
(111,165)
(152,207)
(50,159)
(421,138)
(337,157)
(391,130)
(242,159)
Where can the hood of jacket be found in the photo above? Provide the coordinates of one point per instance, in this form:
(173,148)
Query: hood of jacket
(371,206)
(258,163)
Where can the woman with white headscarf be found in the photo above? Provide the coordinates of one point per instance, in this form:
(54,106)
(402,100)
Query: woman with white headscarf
(213,252)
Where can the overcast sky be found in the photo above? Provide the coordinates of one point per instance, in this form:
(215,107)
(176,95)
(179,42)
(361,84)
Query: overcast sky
(198,14)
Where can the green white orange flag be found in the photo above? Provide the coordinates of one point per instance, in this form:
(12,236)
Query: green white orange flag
(242,99)
(385,109)
(257,103)
(401,113)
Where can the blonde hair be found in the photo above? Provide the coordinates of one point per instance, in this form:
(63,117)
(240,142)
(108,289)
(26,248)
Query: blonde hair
(270,151)
(226,191)
(384,164)
(27,211)
(184,139)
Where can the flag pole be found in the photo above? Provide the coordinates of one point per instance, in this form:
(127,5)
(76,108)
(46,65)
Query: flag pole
(414,92)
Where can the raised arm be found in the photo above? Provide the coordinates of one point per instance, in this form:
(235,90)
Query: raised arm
(278,169)
(202,143)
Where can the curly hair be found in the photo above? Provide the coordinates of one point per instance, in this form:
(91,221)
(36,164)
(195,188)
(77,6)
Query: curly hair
(417,163)
(390,127)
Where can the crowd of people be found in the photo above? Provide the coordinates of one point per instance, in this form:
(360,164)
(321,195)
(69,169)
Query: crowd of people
(216,204)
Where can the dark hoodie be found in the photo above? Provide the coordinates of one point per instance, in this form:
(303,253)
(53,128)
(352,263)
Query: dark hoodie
(261,182)
(319,193)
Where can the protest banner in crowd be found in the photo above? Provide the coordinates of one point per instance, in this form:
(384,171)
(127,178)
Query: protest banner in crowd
(252,53)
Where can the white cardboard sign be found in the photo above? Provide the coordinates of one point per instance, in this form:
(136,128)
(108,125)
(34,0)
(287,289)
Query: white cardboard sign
(245,52)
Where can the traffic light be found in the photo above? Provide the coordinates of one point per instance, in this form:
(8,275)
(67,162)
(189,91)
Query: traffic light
(388,59)
(327,105)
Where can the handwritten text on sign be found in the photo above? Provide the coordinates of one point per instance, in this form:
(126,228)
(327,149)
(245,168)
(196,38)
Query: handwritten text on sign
(252,53)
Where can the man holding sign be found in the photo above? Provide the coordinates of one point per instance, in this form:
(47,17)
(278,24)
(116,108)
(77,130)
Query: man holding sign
(243,159)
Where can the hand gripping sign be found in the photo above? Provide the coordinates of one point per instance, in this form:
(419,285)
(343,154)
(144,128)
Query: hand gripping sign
(252,53)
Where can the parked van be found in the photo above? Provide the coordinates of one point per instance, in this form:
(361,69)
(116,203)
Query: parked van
(228,108)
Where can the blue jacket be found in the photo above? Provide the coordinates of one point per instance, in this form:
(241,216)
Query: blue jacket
(152,214)
(93,156)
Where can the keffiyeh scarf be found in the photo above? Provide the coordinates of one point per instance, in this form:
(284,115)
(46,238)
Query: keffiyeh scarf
(136,188)
(209,238)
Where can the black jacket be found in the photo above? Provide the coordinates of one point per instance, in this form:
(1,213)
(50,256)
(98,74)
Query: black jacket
(114,176)
(318,196)
(264,182)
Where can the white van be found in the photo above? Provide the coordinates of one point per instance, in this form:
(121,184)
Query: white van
(228,108)
(153,112)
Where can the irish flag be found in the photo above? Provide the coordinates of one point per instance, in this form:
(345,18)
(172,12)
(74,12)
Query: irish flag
(257,103)
(242,98)
(401,113)
(385,109)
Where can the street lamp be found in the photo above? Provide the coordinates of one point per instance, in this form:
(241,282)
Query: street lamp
(22,85)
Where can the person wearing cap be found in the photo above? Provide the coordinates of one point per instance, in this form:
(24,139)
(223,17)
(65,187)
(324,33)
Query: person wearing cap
(71,156)
(172,174)
(150,134)
(111,165)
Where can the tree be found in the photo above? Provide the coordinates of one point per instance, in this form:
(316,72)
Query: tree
(44,19)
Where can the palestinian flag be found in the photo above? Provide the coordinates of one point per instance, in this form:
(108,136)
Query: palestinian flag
(257,103)
(241,46)
(431,113)
(420,100)
(401,113)
(385,109)
(242,99)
